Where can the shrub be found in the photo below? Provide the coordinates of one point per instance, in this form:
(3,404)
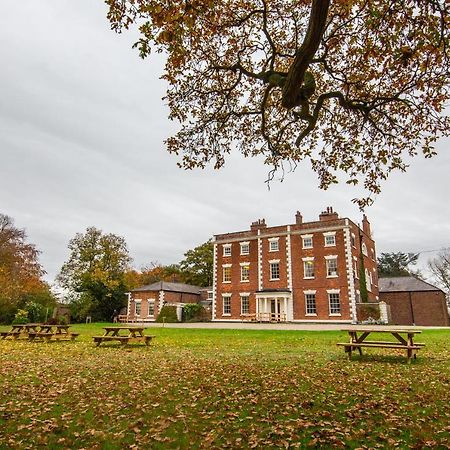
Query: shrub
(21,317)
(368,312)
(167,314)
(193,312)
(36,312)
(62,320)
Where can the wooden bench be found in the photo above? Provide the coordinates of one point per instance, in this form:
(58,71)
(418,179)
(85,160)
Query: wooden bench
(135,334)
(99,339)
(410,349)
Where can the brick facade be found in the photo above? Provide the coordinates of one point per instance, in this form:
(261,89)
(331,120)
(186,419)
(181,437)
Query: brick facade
(279,292)
(426,308)
(145,302)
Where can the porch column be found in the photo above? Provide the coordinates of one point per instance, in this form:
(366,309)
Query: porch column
(265,304)
(285,308)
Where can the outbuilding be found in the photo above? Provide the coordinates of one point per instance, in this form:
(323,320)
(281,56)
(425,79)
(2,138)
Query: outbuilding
(414,302)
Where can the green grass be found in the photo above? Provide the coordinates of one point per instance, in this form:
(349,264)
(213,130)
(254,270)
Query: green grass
(196,388)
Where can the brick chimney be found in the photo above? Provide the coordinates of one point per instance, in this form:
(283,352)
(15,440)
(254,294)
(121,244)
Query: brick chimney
(366,226)
(328,214)
(298,218)
(258,225)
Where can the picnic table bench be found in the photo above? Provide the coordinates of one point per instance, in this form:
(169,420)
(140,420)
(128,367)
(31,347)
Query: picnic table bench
(32,331)
(135,334)
(404,340)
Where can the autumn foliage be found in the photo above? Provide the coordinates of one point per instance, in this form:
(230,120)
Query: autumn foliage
(352,86)
(20,271)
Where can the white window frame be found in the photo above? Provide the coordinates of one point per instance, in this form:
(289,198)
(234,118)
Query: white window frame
(332,258)
(328,235)
(306,293)
(364,249)
(136,303)
(276,241)
(353,240)
(150,301)
(243,265)
(228,298)
(305,261)
(334,292)
(226,249)
(226,266)
(368,280)
(355,267)
(307,236)
(247,296)
(245,245)
(274,261)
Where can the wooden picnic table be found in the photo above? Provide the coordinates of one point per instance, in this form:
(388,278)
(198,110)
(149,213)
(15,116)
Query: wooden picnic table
(129,334)
(404,339)
(31,331)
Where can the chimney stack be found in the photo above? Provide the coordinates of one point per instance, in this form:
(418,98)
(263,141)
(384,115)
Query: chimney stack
(366,226)
(328,214)
(259,224)
(298,218)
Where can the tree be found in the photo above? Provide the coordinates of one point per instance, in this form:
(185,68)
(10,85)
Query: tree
(352,86)
(197,266)
(95,273)
(396,264)
(20,271)
(152,273)
(440,268)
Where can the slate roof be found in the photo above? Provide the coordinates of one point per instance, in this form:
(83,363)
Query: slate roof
(404,284)
(169,287)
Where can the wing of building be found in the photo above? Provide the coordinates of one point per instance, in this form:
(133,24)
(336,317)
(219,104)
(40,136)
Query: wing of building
(145,302)
(414,302)
(301,272)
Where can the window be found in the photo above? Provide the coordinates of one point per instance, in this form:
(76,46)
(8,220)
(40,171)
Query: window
(138,307)
(245,272)
(273,245)
(151,308)
(335,303)
(355,267)
(245,248)
(364,249)
(330,239)
(226,305)
(226,249)
(274,270)
(368,280)
(353,240)
(332,267)
(245,304)
(307,241)
(310,301)
(308,268)
(227,273)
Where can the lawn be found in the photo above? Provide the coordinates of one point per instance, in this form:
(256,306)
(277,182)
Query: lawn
(222,389)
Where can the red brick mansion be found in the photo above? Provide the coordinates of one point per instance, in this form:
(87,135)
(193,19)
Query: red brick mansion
(303,272)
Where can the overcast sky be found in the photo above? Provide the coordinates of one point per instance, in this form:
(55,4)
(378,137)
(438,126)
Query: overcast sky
(82,126)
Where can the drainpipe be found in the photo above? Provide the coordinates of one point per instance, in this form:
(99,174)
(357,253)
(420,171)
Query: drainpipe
(412,309)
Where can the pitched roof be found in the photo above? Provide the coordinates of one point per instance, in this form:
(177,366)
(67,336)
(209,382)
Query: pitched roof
(169,287)
(404,284)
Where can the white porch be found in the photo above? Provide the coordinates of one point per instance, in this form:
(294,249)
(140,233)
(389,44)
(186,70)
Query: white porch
(274,307)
